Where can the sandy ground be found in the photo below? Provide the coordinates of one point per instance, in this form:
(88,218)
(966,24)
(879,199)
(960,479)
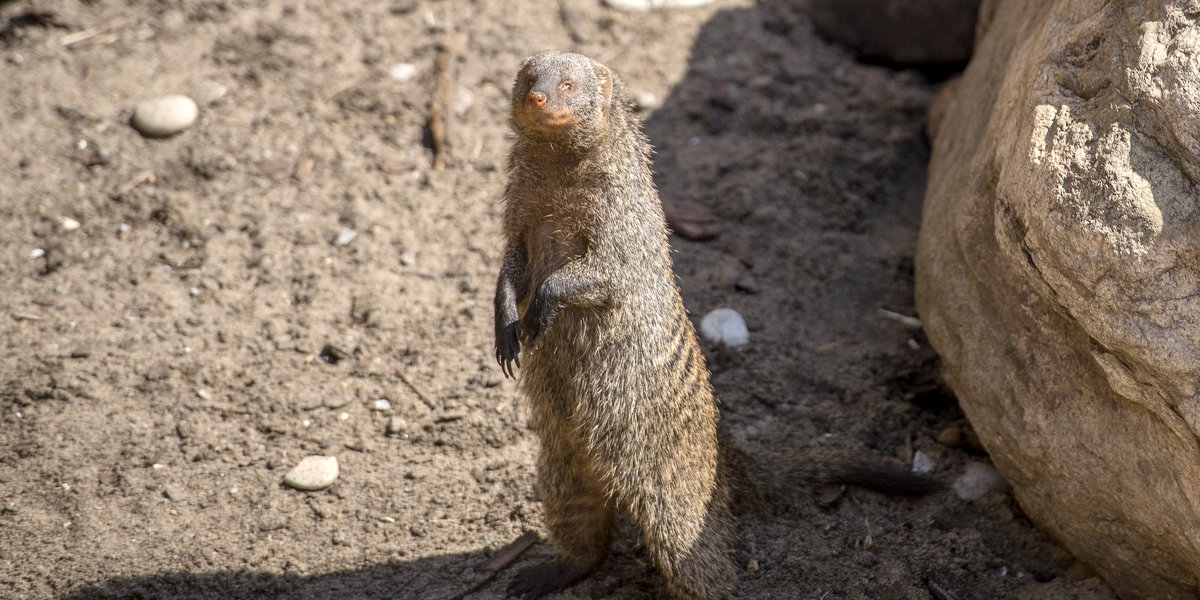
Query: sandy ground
(180,323)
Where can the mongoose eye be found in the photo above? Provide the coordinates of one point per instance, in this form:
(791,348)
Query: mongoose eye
(567,87)
(530,80)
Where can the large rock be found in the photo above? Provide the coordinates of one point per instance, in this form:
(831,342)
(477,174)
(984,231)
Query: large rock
(1058,274)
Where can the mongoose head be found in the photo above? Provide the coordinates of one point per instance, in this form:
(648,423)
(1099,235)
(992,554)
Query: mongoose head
(561,96)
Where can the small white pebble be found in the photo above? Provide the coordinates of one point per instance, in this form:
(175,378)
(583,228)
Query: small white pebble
(313,473)
(345,236)
(978,481)
(37,253)
(343,416)
(381,404)
(463,100)
(646,101)
(204,395)
(402,72)
(194,291)
(725,325)
(395,426)
(922,464)
(164,116)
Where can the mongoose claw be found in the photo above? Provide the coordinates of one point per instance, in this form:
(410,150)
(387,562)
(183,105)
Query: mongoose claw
(546,578)
(508,348)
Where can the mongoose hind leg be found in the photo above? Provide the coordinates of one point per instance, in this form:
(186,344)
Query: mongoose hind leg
(689,545)
(579,517)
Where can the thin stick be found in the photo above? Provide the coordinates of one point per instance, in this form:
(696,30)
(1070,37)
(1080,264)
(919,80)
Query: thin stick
(420,394)
(143,177)
(907,321)
(91,32)
(501,559)
(453,44)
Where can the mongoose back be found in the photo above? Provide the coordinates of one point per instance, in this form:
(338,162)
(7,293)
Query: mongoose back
(587,306)
(617,381)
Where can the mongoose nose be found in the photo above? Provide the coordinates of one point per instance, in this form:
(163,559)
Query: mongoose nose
(537,99)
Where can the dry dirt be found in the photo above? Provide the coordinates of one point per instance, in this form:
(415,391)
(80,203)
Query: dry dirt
(201,330)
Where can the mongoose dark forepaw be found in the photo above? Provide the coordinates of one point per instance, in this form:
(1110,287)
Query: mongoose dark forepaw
(537,319)
(546,578)
(508,348)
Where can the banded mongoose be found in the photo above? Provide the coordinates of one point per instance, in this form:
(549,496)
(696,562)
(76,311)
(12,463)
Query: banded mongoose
(588,307)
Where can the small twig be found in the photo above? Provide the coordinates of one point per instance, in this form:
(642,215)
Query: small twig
(86,34)
(453,44)
(499,561)
(905,320)
(510,552)
(337,91)
(832,344)
(937,591)
(146,176)
(420,394)
(27,317)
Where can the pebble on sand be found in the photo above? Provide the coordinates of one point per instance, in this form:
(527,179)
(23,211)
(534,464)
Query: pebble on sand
(725,326)
(313,473)
(164,116)
(402,72)
(978,481)
(345,236)
(922,463)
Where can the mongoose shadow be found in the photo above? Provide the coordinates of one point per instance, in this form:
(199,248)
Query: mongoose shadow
(588,309)
(442,577)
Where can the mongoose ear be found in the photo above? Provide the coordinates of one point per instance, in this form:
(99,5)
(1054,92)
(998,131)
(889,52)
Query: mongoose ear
(604,78)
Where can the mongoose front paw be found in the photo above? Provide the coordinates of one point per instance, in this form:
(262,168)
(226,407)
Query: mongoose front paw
(508,348)
(537,319)
(546,578)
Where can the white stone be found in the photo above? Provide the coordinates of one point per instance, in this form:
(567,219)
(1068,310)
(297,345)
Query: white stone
(313,473)
(402,72)
(724,326)
(164,116)
(345,236)
(646,101)
(922,463)
(978,481)
(381,405)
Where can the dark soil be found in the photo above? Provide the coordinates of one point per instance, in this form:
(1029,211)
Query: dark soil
(201,330)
